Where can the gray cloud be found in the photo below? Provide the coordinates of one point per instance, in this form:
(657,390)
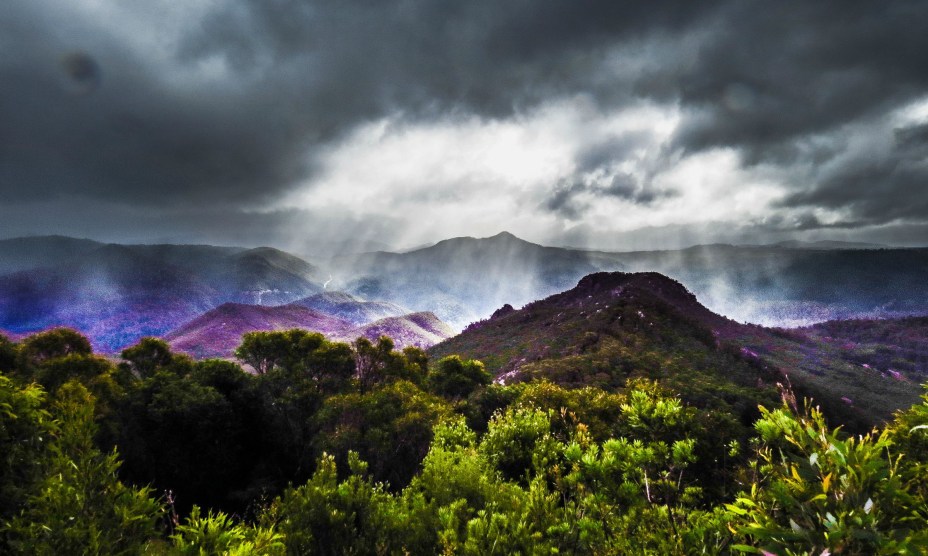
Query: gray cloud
(234,107)
(772,74)
(880,186)
(566,199)
(298,75)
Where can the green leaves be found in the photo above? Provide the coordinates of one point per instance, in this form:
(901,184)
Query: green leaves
(218,533)
(80,507)
(826,492)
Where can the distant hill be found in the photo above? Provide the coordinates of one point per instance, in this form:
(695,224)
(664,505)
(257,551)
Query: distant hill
(465,279)
(616,326)
(27,253)
(219,331)
(350,308)
(415,329)
(116,294)
(826,244)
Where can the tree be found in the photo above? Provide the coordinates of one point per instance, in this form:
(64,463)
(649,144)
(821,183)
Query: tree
(818,491)
(7,354)
(264,351)
(81,507)
(389,426)
(453,377)
(51,344)
(147,356)
(25,428)
(325,516)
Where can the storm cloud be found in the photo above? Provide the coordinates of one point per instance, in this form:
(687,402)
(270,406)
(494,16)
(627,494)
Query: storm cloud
(545,118)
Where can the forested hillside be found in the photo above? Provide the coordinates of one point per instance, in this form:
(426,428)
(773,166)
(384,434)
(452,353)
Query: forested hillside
(334,448)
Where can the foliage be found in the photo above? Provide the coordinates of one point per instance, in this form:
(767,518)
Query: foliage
(81,507)
(820,492)
(217,533)
(7,354)
(909,435)
(150,355)
(389,426)
(327,517)
(362,449)
(379,363)
(51,344)
(25,428)
(453,377)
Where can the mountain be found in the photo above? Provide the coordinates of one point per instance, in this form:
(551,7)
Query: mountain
(115,294)
(26,253)
(826,244)
(465,279)
(219,331)
(615,326)
(777,286)
(350,308)
(118,293)
(415,329)
(111,294)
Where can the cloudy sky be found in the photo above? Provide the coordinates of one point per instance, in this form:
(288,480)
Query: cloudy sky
(618,125)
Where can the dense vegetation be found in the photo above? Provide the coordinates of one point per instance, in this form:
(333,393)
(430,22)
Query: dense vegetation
(331,448)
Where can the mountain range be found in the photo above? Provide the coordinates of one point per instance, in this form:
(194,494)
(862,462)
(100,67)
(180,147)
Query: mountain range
(118,293)
(465,279)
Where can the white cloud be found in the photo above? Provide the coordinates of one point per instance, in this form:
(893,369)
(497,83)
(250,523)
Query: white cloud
(476,177)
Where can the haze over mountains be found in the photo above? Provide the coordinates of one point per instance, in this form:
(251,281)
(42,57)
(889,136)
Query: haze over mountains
(118,293)
(466,279)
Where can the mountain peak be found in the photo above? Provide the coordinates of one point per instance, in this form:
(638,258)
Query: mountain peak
(504,236)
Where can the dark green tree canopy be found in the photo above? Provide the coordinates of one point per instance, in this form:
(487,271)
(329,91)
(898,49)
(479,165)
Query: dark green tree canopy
(57,342)
(454,377)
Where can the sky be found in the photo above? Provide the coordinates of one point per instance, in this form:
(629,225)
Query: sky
(340,125)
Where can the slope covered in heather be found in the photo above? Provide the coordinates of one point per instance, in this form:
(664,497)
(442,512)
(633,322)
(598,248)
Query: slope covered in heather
(415,329)
(219,331)
(615,326)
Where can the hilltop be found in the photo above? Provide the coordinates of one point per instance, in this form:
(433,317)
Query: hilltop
(615,326)
(219,331)
(350,308)
(791,284)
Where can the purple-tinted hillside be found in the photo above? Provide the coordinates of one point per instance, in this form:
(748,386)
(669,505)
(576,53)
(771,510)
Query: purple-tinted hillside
(218,332)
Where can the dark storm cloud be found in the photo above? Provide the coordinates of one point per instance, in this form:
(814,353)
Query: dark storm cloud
(571,199)
(104,123)
(607,152)
(772,73)
(299,75)
(878,188)
(234,111)
(783,83)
